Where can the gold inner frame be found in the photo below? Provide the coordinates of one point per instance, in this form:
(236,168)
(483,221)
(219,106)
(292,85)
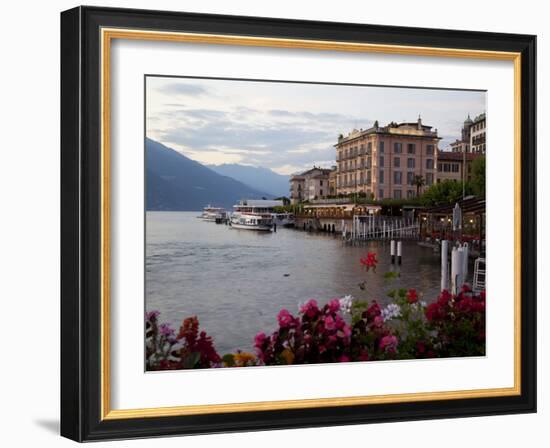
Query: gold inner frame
(107,35)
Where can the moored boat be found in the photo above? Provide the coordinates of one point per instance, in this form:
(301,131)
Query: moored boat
(214,214)
(254,214)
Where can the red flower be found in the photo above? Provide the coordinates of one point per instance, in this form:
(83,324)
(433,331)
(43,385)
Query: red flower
(412,296)
(435,311)
(444,297)
(369,261)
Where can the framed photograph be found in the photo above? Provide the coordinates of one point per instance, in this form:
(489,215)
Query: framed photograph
(274,224)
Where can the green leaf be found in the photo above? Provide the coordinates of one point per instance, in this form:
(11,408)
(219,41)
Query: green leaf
(229,360)
(191,360)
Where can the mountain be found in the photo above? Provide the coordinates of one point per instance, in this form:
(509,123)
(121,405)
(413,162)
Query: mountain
(175,182)
(259,178)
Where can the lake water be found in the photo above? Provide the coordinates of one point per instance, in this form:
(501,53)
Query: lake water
(235,281)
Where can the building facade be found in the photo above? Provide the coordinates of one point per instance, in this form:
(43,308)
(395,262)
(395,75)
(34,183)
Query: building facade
(473,136)
(478,132)
(384,161)
(309,185)
(450,165)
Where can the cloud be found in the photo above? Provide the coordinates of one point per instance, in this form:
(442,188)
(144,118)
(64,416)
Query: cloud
(261,138)
(178,88)
(287,127)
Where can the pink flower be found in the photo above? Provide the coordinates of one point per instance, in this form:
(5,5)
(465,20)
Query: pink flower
(260,339)
(373,311)
(310,308)
(389,344)
(285,318)
(378,321)
(344,358)
(330,324)
(152,315)
(334,306)
(166,330)
(346,330)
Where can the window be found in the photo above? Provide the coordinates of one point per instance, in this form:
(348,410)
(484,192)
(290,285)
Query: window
(397,162)
(397,176)
(397,194)
(321,192)
(454,167)
(368,177)
(369,147)
(429,164)
(410,194)
(429,178)
(398,148)
(381,161)
(411,148)
(381,146)
(369,162)
(381,176)
(430,150)
(410,177)
(410,163)
(321,183)
(381,194)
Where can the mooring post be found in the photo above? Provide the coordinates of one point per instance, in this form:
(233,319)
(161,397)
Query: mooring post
(399,251)
(457,277)
(444,265)
(392,251)
(465,249)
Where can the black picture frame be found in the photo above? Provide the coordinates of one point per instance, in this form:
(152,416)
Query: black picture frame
(81,224)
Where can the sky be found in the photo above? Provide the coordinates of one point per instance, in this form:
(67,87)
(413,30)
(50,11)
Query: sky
(288,127)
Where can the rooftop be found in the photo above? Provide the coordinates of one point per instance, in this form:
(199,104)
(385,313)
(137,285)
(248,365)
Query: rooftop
(405,128)
(260,203)
(456,156)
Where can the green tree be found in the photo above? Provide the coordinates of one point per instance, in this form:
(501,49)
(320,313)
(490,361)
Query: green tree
(418,181)
(445,192)
(478,176)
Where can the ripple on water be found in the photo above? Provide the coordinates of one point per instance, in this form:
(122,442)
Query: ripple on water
(237,281)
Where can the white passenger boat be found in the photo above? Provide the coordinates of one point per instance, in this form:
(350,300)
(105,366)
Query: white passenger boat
(216,214)
(254,214)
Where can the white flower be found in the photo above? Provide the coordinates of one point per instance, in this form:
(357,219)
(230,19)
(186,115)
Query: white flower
(346,303)
(391,311)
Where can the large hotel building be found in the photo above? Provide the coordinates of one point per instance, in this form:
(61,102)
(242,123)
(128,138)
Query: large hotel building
(383,161)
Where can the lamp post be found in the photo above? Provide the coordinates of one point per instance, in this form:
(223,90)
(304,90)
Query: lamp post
(463,173)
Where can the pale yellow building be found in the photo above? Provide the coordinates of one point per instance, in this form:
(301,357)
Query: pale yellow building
(309,185)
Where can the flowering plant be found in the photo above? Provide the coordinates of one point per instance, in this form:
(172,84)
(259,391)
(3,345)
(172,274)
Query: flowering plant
(189,349)
(316,335)
(342,330)
(458,323)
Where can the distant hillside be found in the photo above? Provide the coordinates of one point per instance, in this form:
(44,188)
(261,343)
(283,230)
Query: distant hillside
(259,178)
(175,182)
